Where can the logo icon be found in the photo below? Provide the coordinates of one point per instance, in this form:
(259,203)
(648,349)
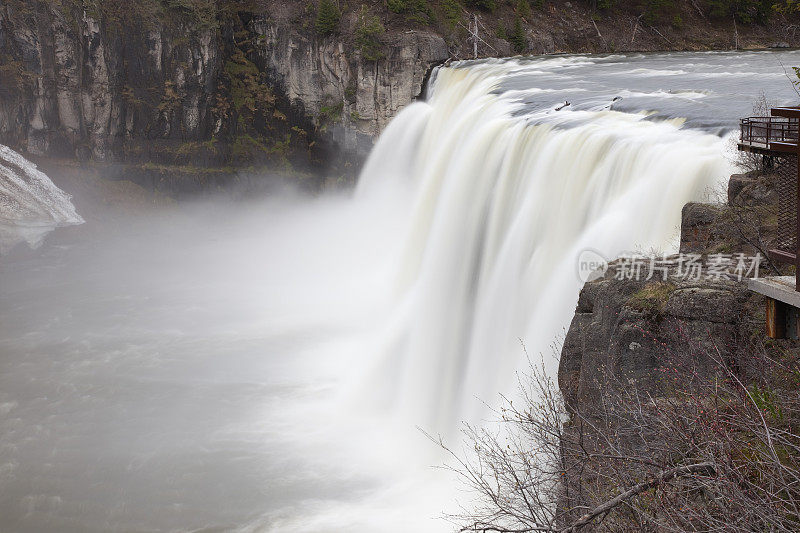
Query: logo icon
(591,265)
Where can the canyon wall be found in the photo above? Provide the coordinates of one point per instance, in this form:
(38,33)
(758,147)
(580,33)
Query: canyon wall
(233,88)
(326,76)
(208,87)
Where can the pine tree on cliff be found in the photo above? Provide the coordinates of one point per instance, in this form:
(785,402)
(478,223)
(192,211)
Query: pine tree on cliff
(517,37)
(328,16)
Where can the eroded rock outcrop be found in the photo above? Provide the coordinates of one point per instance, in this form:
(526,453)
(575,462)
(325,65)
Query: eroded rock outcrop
(83,88)
(627,331)
(323,77)
(664,342)
(199,88)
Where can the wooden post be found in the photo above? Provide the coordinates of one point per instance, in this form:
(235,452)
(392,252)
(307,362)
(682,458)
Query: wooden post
(776,319)
(792,323)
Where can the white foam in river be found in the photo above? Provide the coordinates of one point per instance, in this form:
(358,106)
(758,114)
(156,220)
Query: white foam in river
(264,365)
(30,205)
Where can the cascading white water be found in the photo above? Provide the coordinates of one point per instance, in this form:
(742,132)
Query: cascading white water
(30,205)
(262,366)
(503,203)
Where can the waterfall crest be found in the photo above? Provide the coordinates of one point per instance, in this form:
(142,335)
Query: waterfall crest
(504,198)
(30,204)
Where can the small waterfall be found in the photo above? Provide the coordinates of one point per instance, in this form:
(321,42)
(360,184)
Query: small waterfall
(31,206)
(504,198)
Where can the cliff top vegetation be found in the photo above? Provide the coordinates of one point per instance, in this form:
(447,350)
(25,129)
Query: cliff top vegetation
(504,26)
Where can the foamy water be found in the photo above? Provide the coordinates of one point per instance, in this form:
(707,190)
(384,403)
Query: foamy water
(265,365)
(30,205)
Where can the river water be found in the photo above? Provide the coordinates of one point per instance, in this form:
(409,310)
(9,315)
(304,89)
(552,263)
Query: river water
(266,365)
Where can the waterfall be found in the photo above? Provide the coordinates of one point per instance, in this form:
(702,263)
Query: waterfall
(504,197)
(30,204)
(263,365)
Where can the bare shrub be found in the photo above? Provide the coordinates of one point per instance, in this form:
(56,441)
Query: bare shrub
(706,450)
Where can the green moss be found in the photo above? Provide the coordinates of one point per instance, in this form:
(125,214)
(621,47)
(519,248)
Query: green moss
(130,97)
(767,401)
(350,93)
(748,11)
(282,147)
(246,147)
(248,92)
(723,248)
(192,16)
(143,14)
(171,99)
(331,113)
(14,77)
(198,14)
(652,298)
(186,169)
(523,8)
(192,149)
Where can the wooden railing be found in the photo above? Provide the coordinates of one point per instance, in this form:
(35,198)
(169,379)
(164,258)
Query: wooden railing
(768,131)
(777,137)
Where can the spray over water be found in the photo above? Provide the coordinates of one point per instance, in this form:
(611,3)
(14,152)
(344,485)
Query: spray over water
(264,366)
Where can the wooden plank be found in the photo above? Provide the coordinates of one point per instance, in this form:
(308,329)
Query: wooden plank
(771,149)
(757,148)
(783,257)
(788,112)
(785,148)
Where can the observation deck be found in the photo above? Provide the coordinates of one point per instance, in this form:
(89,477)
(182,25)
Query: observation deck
(777,139)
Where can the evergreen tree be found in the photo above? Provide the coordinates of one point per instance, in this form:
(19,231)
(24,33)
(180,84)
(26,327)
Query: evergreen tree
(517,37)
(368,33)
(328,16)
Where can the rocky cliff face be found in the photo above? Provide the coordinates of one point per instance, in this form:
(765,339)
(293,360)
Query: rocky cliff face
(643,337)
(203,89)
(323,76)
(86,89)
(639,341)
(624,329)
